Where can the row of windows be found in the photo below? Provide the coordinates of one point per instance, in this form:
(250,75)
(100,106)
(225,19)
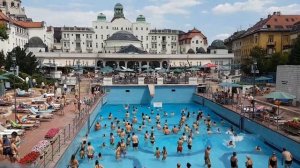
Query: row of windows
(67,35)
(164,37)
(122,28)
(12,4)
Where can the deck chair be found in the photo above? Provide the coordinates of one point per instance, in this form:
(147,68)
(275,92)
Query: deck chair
(21,126)
(32,109)
(5,130)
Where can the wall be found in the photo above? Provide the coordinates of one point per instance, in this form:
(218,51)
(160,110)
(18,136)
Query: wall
(288,83)
(275,139)
(141,95)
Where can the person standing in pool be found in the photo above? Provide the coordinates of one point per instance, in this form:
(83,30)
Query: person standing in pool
(128,140)
(287,157)
(90,151)
(118,151)
(152,138)
(123,147)
(135,141)
(112,139)
(179,145)
(157,153)
(189,142)
(146,136)
(249,162)
(74,162)
(207,157)
(273,161)
(98,165)
(234,160)
(164,153)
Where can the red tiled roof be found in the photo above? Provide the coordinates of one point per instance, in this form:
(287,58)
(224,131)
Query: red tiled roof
(31,24)
(23,24)
(275,22)
(190,34)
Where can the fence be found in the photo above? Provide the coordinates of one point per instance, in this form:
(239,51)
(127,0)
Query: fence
(65,135)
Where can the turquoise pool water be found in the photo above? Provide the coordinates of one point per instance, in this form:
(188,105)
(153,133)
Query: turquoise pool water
(144,157)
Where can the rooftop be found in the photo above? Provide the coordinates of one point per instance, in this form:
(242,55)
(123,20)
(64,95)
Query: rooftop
(123,35)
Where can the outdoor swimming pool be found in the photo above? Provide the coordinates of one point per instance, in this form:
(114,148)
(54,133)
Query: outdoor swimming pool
(144,157)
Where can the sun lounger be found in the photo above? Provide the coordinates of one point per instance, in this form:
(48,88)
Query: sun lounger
(38,100)
(32,109)
(22,93)
(21,126)
(18,131)
(41,118)
(5,103)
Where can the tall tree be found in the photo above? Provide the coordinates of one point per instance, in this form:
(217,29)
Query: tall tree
(258,54)
(27,62)
(3,33)
(294,58)
(2,59)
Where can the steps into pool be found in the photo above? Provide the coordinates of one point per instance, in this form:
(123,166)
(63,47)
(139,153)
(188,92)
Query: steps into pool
(151,88)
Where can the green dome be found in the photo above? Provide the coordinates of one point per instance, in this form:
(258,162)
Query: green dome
(141,18)
(118,6)
(217,44)
(101,17)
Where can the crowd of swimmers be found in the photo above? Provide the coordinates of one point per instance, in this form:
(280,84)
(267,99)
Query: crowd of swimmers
(124,128)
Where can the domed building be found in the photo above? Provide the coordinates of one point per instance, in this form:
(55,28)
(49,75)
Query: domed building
(217,47)
(36,44)
(120,40)
(104,29)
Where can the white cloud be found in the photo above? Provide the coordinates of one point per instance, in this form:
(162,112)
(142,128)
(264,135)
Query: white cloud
(157,13)
(245,6)
(289,9)
(204,11)
(222,36)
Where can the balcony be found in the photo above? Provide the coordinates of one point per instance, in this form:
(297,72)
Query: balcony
(77,40)
(164,42)
(271,43)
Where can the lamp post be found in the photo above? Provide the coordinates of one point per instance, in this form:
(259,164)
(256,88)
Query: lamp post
(78,78)
(254,70)
(14,59)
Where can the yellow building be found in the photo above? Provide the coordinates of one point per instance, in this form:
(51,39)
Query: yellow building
(295,32)
(272,34)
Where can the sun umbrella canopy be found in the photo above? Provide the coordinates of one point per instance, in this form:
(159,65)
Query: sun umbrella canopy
(227,84)
(210,65)
(106,69)
(145,66)
(162,70)
(118,69)
(193,69)
(177,70)
(262,78)
(149,70)
(280,95)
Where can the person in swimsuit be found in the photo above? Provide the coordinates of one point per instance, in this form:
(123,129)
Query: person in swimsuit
(288,158)
(249,162)
(14,155)
(152,138)
(234,160)
(90,151)
(73,162)
(273,161)
(207,157)
(98,165)
(164,153)
(157,153)
(189,142)
(179,145)
(135,141)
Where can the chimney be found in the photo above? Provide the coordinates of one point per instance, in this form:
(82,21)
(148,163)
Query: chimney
(278,13)
(269,16)
(261,19)
(274,13)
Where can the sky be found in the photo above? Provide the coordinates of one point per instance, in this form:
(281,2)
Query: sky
(216,19)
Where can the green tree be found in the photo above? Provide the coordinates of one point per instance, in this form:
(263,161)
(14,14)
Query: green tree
(294,58)
(3,33)
(2,59)
(27,62)
(258,54)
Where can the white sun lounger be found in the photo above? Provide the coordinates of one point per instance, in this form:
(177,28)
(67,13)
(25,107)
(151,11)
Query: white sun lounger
(9,131)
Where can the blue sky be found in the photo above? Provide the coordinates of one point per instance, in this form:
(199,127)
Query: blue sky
(215,18)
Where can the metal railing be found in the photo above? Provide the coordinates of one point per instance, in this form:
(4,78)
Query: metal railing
(273,119)
(62,140)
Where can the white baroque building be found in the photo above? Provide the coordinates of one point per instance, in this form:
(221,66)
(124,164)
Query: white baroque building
(104,29)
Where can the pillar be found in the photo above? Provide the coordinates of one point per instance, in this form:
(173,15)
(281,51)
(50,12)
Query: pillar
(160,64)
(140,66)
(126,64)
(104,63)
(118,64)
